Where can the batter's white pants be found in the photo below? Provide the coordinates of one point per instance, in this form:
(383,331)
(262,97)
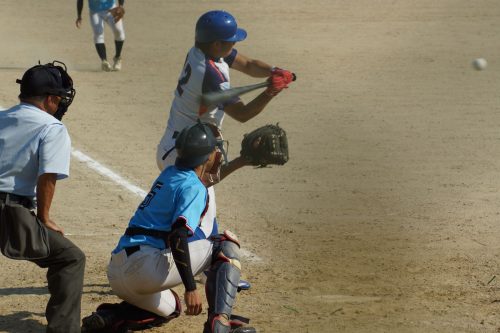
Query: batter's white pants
(145,278)
(97,20)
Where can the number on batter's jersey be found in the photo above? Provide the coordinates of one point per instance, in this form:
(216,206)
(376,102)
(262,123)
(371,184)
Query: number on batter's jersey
(184,79)
(147,200)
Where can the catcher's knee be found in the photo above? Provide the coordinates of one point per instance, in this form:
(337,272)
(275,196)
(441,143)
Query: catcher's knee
(227,249)
(224,274)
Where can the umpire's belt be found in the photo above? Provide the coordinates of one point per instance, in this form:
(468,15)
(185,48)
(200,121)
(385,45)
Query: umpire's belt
(18,199)
(138,231)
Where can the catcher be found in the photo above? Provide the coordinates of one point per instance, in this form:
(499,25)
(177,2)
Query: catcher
(108,11)
(160,250)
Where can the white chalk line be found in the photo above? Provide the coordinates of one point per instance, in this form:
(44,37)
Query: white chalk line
(105,171)
(101,169)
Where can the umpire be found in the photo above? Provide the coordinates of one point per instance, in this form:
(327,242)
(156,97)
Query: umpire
(34,153)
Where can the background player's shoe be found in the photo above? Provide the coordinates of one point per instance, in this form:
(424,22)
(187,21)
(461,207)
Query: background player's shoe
(106,66)
(117,64)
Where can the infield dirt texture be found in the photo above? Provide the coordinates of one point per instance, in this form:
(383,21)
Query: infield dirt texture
(387,216)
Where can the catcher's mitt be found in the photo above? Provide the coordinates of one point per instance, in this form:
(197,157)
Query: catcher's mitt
(265,145)
(117,12)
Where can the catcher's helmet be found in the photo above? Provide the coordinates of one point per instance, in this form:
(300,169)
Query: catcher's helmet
(218,25)
(194,145)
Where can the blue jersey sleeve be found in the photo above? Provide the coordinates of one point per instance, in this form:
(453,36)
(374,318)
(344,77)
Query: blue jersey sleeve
(230,58)
(191,203)
(213,79)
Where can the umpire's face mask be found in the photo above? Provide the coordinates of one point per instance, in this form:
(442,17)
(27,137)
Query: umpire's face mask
(61,109)
(67,94)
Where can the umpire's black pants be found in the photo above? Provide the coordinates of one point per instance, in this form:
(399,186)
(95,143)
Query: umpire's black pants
(66,266)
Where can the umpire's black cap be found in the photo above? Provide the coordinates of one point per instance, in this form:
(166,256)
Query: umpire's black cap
(49,79)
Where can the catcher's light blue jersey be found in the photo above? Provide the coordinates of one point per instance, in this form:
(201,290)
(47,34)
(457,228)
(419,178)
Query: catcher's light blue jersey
(176,194)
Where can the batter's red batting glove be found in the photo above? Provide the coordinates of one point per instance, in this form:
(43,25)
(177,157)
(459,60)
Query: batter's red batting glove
(279,80)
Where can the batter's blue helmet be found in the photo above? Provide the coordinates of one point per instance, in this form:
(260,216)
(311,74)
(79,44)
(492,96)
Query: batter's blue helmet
(218,25)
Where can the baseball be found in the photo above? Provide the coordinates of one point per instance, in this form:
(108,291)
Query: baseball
(479,64)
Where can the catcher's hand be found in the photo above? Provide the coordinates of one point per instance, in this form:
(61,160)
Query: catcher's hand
(265,145)
(118,13)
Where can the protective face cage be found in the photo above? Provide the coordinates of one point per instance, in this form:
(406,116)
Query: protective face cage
(67,93)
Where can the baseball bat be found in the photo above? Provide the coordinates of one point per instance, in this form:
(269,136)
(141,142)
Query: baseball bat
(216,97)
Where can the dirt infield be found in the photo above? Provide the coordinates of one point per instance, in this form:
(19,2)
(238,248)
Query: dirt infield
(386,218)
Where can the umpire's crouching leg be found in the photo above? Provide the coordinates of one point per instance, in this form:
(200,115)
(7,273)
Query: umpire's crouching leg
(66,266)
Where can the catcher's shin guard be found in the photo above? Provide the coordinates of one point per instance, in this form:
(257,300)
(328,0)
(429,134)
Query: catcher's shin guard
(222,282)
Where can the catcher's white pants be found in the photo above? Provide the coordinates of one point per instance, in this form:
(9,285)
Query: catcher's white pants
(97,20)
(145,278)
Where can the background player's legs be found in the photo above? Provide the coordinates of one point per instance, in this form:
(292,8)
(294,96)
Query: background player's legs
(97,24)
(117,59)
(119,33)
(101,50)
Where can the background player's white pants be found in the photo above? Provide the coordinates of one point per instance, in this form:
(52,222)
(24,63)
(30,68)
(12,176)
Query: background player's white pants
(97,20)
(208,221)
(144,278)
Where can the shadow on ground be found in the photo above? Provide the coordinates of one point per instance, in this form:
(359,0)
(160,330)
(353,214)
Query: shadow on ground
(94,289)
(22,321)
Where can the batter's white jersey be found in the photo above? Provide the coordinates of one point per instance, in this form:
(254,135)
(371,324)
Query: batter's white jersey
(199,75)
